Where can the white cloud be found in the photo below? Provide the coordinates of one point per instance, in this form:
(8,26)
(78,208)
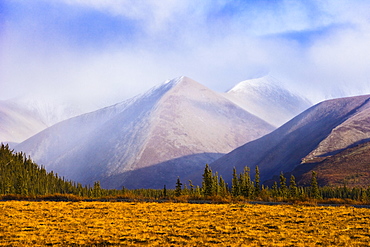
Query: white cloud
(217,43)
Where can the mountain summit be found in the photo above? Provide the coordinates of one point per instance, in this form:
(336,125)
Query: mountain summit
(147,141)
(267,99)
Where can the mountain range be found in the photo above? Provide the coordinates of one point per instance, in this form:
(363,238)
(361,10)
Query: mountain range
(149,140)
(177,127)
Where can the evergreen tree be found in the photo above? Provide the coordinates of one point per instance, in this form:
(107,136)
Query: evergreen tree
(208,182)
(235,189)
(223,187)
(257,185)
(283,188)
(164,191)
(314,190)
(293,191)
(275,189)
(97,191)
(191,187)
(248,188)
(215,184)
(178,190)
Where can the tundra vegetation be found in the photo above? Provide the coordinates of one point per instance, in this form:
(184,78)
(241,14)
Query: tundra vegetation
(170,224)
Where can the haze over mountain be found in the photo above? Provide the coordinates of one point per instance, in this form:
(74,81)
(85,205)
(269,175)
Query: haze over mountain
(49,109)
(18,123)
(322,130)
(267,99)
(147,141)
(23,117)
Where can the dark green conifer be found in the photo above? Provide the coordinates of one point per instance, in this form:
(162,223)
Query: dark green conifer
(257,186)
(208,181)
(178,190)
(235,189)
(314,189)
(283,188)
(293,191)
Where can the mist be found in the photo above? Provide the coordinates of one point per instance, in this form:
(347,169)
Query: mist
(102,52)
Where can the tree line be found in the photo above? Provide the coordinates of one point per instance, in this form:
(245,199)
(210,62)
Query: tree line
(19,175)
(243,186)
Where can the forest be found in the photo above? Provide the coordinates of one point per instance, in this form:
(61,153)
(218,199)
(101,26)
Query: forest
(21,178)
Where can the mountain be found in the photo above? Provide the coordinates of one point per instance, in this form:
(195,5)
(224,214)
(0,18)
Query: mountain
(147,141)
(17,123)
(267,99)
(323,130)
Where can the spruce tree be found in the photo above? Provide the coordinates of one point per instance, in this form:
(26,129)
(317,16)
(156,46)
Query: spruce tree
(257,186)
(178,190)
(235,189)
(283,188)
(164,191)
(208,182)
(248,187)
(223,187)
(275,189)
(191,187)
(314,189)
(293,187)
(97,191)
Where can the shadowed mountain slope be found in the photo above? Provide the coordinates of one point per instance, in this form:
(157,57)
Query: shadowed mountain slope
(349,167)
(324,129)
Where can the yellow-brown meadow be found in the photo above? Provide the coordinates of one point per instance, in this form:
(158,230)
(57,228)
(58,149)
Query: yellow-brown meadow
(167,224)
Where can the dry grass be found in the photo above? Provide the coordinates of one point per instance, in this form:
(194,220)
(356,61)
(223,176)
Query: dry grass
(170,224)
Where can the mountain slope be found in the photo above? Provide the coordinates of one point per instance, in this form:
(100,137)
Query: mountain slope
(350,167)
(312,133)
(265,98)
(174,129)
(17,123)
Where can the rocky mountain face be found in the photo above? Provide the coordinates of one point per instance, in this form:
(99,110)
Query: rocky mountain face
(268,100)
(147,141)
(321,131)
(17,123)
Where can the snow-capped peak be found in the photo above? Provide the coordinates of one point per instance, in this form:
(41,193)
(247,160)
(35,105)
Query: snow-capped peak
(266,98)
(263,83)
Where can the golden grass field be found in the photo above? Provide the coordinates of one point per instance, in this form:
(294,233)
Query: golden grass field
(169,224)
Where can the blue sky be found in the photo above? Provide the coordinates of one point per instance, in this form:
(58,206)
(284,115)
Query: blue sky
(111,50)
